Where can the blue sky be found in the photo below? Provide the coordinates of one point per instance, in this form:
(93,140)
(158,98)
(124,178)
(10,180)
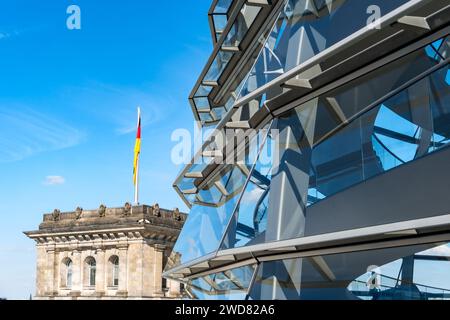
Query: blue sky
(68,103)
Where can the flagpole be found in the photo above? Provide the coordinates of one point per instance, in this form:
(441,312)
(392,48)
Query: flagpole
(136,186)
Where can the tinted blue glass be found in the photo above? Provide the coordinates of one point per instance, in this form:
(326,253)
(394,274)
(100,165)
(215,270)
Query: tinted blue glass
(403,128)
(337,162)
(220,21)
(228,285)
(389,281)
(240,27)
(222,6)
(305,29)
(248,224)
(201,233)
(419,272)
(218,65)
(406,126)
(204,228)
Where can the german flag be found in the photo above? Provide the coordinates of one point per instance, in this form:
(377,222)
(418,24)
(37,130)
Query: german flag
(137,150)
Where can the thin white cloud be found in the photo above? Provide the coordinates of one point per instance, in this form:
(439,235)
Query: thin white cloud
(8,34)
(124,102)
(25,132)
(54,180)
(160,176)
(152,112)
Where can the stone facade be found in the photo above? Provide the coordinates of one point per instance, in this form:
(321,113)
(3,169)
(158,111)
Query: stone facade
(108,253)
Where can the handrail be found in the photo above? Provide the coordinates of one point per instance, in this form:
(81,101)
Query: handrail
(406,282)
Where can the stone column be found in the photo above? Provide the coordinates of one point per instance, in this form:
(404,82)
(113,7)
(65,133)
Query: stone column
(77,269)
(174,288)
(50,272)
(158,270)
(100,281)
(41,272)
(123,273)
(135,273)
(147,270)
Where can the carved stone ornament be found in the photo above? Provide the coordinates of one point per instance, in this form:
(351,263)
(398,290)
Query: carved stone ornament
(176,214)
(127,209)
(56,215)
(102,210)
(156,210)
(78,212)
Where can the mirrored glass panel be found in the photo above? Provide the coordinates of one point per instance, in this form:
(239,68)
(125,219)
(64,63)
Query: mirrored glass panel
(419,272)
(205,225)
(421,276)
(220,22)
(249,221)
(218,65)
(240,27)
(306,28)
(336,141)
(219,16)
(404,127)
(228,285)
(222,6)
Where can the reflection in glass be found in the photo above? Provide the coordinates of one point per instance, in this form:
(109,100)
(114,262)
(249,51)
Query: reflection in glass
(250,218)
(228,285)
(220,17)
(422,276)
(306,28)
(222,6)
(205,225)
(396,131)
(419,272)
(405,127)
(240,27)
(220,22)
(218,65)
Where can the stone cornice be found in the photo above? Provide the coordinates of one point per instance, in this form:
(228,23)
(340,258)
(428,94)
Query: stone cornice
(105,215)
(110,224)
(104,235)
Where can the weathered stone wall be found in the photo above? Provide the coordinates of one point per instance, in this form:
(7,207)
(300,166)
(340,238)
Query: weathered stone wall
(140,237)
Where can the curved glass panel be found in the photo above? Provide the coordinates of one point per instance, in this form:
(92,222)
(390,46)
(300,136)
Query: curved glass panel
(338,140)
(205,225)
(188,183)
(220,22)
(422,276)
(240,27)
(215,203)
(230,44)
(218,65)
(222,6)
(228,285)
(306,28)
(405,127)
(220,17)
(419,272)
(249,221)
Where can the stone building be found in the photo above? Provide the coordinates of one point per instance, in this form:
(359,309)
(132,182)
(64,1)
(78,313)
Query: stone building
(108,253)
